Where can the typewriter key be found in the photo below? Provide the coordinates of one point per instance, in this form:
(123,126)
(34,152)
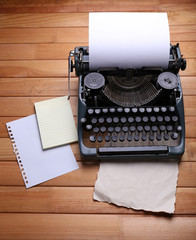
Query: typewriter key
(105,110)
(174,135)
(160,119)
(93,120)
(88,127)
(115,119)
(166,137)
(159,137)
(107,138)
(167,118)
(172,109)
(110,129)
(121,138)
(156,109)
(134,110)
(101,120)
(139,128)
(151,137)
(179,128)
(144,137)
(112,110)
(138,119)
(117,129)
(145,119)
(130,119)
(132,128)
(102,129)
(119,110)
(90,111)
(163,109)
(123,120)
(83,120)
(129,138)
(97,111)
(149,109)
(136,137)
(92,138)
(154,128)
(169,128)
(127,110)
(142,110)
(147,128)
(95,129)
(174,118)
(125,129)
(99,138)
(109,120)
(114,138)
(153,119)
(162,128)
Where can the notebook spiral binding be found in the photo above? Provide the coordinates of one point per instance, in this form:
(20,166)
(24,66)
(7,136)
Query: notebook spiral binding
(16,151)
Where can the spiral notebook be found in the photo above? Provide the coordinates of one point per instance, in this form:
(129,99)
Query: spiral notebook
(38,165)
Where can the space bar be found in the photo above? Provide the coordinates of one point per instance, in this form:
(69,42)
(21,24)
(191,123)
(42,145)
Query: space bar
(133,150)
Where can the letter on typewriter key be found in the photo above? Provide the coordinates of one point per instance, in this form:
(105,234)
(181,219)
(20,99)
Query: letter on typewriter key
(117,129)
(92,138)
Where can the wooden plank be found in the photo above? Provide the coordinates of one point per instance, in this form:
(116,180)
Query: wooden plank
(46,87)
(85,176)
(48,35)
(76,34)
(63,226)
(79,19)
(39,51)
(24,106)
(56,68)
(61,51)
(73,199)
(7,154)
(41,87)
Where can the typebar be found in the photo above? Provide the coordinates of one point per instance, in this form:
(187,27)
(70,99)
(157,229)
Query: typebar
(133,150)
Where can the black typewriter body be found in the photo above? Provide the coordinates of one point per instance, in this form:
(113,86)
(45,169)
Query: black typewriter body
(130,114)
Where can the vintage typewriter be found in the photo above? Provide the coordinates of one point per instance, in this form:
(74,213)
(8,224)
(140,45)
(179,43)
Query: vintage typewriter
(127,114)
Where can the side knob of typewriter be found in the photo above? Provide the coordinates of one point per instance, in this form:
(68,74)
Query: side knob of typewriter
(183,64)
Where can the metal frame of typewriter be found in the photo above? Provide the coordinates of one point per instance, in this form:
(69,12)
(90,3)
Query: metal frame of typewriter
(81,64)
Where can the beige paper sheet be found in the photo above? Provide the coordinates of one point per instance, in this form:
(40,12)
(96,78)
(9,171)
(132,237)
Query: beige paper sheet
(149,186)
(56,122)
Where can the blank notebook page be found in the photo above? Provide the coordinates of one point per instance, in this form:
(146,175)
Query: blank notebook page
(56,122)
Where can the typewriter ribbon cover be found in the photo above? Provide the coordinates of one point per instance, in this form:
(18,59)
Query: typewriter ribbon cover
(128,40)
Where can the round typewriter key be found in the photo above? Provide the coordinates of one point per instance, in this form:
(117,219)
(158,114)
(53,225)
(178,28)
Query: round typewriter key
(142,110)
(105,110)
(156,109)
(134,110)
(90,111)
(162,128)
(121,138)
(93,120)
(160,119)
(174,135)
(112,110)
(159,137)
(125,129)
(175,118)
(169,128)
(95,129)
(114,138)
(117,129)
(99,138)
(116,120)
(138,119)
(149,110)
(151,137)
(123,120)
(154,128)
(130,119)
(144,137)
(132,128)
(102,129)
(129,138)
(167,118)
(109,120)
(107,138)
(179,128)
(145,119)
(139,128)
(166,137)
(119,110)
(153,119)
(92,138)
(126,110)
(171,109)
(136,137)
(101,120)
(97,111)
(83,120)
(163,109)
(110,129)
(147,128)
(89,127)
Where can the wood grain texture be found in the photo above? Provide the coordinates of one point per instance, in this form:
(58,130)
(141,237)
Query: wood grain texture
(99,226)
(85,176)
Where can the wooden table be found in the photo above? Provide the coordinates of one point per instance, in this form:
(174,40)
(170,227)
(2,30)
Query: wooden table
(35,39)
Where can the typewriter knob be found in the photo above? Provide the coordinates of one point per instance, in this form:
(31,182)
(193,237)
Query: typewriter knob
(183,64)
(167,81)
(94,81)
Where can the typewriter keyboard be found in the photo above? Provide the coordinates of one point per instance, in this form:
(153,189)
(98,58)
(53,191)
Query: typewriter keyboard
(137,126)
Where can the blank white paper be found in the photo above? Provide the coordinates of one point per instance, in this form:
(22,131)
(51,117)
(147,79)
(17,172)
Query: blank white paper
(128,40)
(38,165)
